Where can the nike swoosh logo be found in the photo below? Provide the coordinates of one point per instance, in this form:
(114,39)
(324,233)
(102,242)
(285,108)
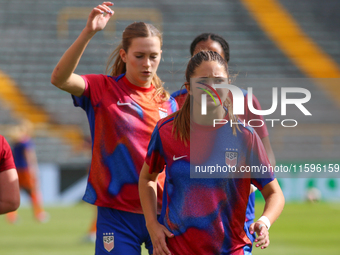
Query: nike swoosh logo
(174,158)
(119,103)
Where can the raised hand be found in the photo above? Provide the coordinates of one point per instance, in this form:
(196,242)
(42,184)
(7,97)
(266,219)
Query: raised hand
(99,17)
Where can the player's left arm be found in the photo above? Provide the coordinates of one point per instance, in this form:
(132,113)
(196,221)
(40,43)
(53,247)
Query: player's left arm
(275,201)
(269,150)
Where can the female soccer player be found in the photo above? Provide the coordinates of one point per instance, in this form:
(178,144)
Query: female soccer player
(122,109)
(205,215)
(9,184)
(216,43)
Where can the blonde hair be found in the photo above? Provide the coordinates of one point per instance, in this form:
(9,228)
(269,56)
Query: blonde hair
(135,30)
(181,126)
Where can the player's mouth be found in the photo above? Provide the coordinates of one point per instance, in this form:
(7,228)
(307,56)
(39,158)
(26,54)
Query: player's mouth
(146,73)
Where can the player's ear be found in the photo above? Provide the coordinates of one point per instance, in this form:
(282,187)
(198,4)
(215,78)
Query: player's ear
(187,86)
(122,54)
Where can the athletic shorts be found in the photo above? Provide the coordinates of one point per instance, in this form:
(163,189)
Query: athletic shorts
(120,232)
(26,180)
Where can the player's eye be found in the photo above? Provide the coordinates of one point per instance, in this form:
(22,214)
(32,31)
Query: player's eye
(219,81)
(203,80)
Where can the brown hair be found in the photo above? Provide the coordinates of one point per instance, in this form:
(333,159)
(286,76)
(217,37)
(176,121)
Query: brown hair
(181,126)
(135,30)
(214,37)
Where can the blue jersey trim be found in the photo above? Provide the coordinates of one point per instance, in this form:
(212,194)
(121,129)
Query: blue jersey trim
(118,77)
(85,103)
(171,119)
(179,92)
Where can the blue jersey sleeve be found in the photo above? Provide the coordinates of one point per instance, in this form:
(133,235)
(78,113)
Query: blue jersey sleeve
(173,105)
(155,154)
(85,103)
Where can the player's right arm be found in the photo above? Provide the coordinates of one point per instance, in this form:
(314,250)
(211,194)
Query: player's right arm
(63,75)
(148,197)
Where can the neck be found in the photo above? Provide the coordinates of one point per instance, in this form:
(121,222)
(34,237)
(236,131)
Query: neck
(143,84)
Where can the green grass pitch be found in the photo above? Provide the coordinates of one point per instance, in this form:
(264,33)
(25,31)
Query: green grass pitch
(302,229)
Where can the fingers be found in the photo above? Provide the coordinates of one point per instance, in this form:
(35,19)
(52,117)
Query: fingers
(158,234)
(160,247)
(104,8)
(262,239)
(108,3)
(251,228)
(168,233)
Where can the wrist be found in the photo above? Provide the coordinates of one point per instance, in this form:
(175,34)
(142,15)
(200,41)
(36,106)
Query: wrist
(265,220)
(150,222)
(88,32)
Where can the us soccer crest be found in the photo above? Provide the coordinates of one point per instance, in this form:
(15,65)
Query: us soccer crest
(108,240)
(231,157)
(162,112)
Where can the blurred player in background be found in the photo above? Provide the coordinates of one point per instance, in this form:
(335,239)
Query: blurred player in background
(216,43)
(205,215)
(27,166)
(122,110)
(9,184)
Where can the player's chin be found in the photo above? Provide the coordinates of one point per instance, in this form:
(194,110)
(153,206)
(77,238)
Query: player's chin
(211,105)
(146,78)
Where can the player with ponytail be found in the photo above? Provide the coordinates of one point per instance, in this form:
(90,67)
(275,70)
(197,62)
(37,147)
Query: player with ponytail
(122,109)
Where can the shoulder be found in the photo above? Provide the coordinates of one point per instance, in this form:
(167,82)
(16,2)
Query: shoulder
(178,93)
(116,78)
(173,103)
(244,128)
(4,147)
(254,98)
(101,78)
(28,143)
(2,143)
(165,122)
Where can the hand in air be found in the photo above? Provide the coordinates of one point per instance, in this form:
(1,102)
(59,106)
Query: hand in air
(99,17)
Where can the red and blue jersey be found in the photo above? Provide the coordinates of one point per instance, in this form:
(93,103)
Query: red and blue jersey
(262,131)
(121,118)
(19,153)
(206,215)
(6,157)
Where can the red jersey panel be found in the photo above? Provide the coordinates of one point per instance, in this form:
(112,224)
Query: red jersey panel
(6,157)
